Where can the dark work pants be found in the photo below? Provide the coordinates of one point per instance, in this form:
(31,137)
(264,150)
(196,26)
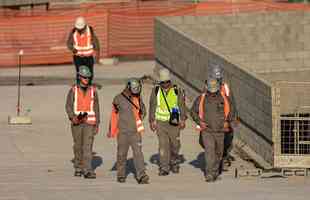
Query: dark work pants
(214,147)
(87,61)
(169,145)
(124,141)
(228,138)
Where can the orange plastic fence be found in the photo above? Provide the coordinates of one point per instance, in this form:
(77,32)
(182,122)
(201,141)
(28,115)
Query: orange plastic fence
(123,28)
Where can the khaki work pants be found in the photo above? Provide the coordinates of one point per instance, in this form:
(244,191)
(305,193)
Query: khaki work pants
(169,145)
(124,141)
(214,147)
(83,138)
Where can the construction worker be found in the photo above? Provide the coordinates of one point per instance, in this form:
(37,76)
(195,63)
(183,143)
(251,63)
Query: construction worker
(128,111)
(82,108)
(84,45)
(167,115)
(217,72)
(212,113)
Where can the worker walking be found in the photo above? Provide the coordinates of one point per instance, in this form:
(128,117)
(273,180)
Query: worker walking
(167,115)
(128,111)
(212,113)
(217,72)
(84,45)
(82,107)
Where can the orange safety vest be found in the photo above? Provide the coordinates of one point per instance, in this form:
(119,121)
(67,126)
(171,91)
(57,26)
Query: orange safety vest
(201,106)
(114,130)
(84,102)
(83,43)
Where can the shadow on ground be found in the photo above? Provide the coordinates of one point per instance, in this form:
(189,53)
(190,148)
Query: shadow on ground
(96,161)
(130,167)
(199,162)
(155,159)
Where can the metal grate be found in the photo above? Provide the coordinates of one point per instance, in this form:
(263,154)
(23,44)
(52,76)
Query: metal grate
(295,134)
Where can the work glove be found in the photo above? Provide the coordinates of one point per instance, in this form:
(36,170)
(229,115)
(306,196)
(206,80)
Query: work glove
(153,126)
(236,122)
(74,51)
(96,129)
(203,125)
(182,125)
(75,120)
(226,127)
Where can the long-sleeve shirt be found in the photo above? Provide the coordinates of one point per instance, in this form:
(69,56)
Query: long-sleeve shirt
(214,115)
(127,121)
(153,104)
(95,41)
(70,104)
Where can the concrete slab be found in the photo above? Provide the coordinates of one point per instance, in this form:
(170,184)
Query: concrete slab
(36,160)
(19,120)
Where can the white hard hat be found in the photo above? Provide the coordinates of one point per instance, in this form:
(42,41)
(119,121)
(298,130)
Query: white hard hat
(164,75)
(80,23)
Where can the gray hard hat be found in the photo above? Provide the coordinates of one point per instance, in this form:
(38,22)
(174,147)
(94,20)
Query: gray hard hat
(216,71)
(84,71)
(134,85)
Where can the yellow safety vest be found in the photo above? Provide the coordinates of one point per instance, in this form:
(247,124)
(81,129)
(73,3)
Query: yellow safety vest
(162,112)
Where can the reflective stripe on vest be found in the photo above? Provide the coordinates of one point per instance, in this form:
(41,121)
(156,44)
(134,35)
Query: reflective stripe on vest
(84,102)
(162,112)
(82,43)
(114,130)
(201,107)
(136,111)
(225,89)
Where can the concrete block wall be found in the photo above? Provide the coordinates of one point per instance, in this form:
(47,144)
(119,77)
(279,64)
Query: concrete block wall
(188,59)
(261,42)
(21,2)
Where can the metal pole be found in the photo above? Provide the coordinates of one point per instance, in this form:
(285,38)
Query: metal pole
(19,73)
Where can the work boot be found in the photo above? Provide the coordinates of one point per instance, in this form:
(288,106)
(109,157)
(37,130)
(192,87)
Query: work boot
(78,172)
(226,165)
(231,158)
(210,178)
(175,169)
(144,179)
(163,173)
(90,175)
(121,179)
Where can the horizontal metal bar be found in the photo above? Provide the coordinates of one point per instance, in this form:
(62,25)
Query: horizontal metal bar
(296,118)
(303,142)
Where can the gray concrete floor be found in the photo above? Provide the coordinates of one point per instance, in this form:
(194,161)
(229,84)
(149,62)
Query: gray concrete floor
(35,160)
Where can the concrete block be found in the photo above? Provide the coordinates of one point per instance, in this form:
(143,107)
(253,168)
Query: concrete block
(19,120)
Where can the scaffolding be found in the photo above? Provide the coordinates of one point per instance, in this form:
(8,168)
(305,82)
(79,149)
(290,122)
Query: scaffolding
(291,127)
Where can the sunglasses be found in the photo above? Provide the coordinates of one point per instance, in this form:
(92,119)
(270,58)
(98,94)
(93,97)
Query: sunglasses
(84,77)
(165,82)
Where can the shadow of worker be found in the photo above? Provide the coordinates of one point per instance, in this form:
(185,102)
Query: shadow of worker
(155,159)
(96,162)
(199,162)
(130,167)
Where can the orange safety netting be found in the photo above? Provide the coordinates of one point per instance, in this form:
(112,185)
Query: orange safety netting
(122,28)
